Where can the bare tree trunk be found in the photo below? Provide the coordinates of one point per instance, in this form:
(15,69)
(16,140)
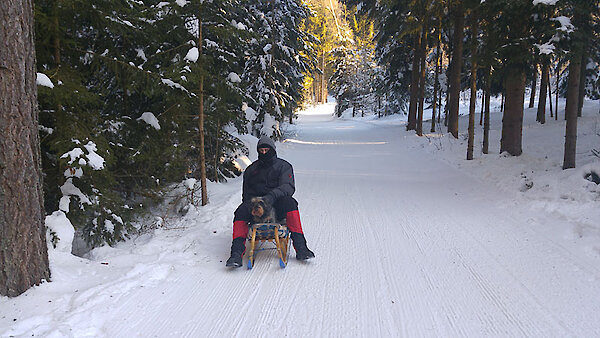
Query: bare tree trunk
(447,96)
(473,100)
(541,111)
(482,108)
(550,92)
(439,115)
(556,94)
(203,187)
(422,75)
(533,87)
(512,120)
(454,100)
(582,77)
(486,123)
(414,88)
(571,112)
(436,84)
(23,251)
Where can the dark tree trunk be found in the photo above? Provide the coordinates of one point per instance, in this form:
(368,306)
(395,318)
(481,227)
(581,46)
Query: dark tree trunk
(436,84)
(541,111)
(556,93)
(455,71)
(550,92)
(203,187)
(414,88)
(422,76)
(23,251)
(533,87)
(583,71)
(473,101)
(447,105)
(512,120)
(571,112)
(482,108)
(486,121)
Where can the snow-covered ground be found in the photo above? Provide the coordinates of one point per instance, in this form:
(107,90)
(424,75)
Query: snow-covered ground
(410,238)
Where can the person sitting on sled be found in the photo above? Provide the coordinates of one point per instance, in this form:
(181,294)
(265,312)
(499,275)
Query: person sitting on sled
(272,178)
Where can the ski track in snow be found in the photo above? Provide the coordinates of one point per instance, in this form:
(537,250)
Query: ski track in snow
(406,246)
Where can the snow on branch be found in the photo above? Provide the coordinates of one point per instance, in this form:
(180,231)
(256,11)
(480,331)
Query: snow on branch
(545,2)
(43,80)
(565,24)
(192,55)
(150,119)
(173,84)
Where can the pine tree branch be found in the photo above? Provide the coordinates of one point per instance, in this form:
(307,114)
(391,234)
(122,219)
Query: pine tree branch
(136,68)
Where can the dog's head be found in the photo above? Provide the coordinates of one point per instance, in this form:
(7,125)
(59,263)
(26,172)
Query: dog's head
(259,207)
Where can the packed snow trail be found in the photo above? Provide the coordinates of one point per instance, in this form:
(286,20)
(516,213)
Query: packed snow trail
(406,246)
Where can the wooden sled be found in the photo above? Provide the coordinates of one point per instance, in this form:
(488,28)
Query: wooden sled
(276,233)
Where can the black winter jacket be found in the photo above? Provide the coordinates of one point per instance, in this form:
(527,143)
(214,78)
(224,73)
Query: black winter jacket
(274,177)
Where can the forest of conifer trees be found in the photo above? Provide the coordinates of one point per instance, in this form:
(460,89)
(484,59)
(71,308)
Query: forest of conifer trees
(144,94)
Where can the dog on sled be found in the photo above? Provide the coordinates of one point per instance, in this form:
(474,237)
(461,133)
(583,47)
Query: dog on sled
(262,211)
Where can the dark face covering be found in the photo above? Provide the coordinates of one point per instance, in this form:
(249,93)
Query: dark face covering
(266,157)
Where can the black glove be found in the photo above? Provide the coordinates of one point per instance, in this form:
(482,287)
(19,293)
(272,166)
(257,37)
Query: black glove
(268,199)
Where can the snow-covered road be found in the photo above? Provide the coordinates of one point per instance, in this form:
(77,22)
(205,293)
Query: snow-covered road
(406,246)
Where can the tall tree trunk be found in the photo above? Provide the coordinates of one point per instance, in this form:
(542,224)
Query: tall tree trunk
(454,100)
(541,111)
(533,87)
(436,84)
(556,94)
(486,122)
(550,90)
(440,97)
(203,187)
(23,251)
(583,71)
(473,99)
(571,112)
(482,108)
(414,88)
(422,77)
(512,120)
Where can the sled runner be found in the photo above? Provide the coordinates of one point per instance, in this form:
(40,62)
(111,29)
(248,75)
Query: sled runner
(275,233)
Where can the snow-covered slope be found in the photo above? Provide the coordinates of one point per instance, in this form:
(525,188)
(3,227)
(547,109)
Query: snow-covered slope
(410,240)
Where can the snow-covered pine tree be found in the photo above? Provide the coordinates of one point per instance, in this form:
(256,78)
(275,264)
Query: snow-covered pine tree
(120,123)
(89,52)
(278,59)
(225,36)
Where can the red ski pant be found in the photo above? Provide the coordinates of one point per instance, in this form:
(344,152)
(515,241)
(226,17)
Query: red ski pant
(285,207)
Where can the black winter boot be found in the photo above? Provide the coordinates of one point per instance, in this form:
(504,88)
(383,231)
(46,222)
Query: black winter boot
(302,251)
(238,247)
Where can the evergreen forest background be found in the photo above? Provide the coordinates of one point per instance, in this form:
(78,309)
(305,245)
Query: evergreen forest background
(146,94)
